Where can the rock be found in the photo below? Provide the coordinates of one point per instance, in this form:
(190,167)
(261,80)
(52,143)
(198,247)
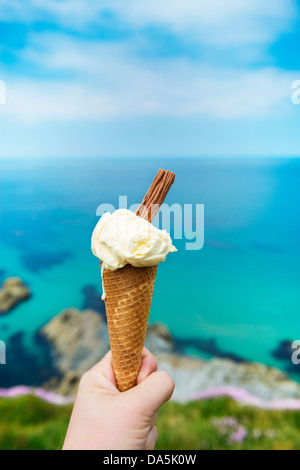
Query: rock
(193,375)
(12,292)
(80,339)
(159,338)
(69,384)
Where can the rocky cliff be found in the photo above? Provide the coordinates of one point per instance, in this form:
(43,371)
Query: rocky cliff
(12,292)
(80,338)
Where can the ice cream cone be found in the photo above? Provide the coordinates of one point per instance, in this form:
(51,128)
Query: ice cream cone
(128,290)
(128,296)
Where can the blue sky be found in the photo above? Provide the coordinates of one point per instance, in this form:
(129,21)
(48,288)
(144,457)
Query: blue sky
(141,78)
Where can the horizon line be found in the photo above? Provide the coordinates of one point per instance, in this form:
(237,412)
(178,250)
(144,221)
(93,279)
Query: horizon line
(146,157)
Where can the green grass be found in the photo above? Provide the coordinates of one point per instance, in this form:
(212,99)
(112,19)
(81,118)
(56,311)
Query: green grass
(200,425)
(29,423)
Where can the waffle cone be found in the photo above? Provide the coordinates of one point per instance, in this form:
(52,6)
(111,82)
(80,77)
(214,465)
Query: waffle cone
(128,296)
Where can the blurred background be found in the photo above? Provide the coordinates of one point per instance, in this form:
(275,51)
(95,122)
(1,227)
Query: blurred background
(98,97)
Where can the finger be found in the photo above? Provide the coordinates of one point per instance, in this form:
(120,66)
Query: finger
(155,390)
(102,372)
(151,439)
(105,362)
(148,365)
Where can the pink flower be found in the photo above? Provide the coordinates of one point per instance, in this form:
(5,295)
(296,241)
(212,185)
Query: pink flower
(238,435)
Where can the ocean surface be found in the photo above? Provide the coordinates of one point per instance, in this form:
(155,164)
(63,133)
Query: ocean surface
(236,297)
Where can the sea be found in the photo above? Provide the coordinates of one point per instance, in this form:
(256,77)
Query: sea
(237,296)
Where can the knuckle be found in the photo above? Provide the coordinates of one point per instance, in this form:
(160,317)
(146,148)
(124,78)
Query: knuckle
(85,379)
(167,379)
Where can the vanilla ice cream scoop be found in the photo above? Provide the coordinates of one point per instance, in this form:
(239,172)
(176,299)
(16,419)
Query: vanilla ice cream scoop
(124,238)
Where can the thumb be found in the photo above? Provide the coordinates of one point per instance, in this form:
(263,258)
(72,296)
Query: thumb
(153,391)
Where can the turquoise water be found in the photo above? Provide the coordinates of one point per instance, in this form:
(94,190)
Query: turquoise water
(238,296)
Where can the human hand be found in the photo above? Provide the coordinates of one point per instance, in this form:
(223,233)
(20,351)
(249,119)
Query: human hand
(105,419)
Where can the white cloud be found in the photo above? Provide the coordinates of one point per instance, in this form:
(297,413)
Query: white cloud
(109,79)
(116,85)
(75,13)
(222,22)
